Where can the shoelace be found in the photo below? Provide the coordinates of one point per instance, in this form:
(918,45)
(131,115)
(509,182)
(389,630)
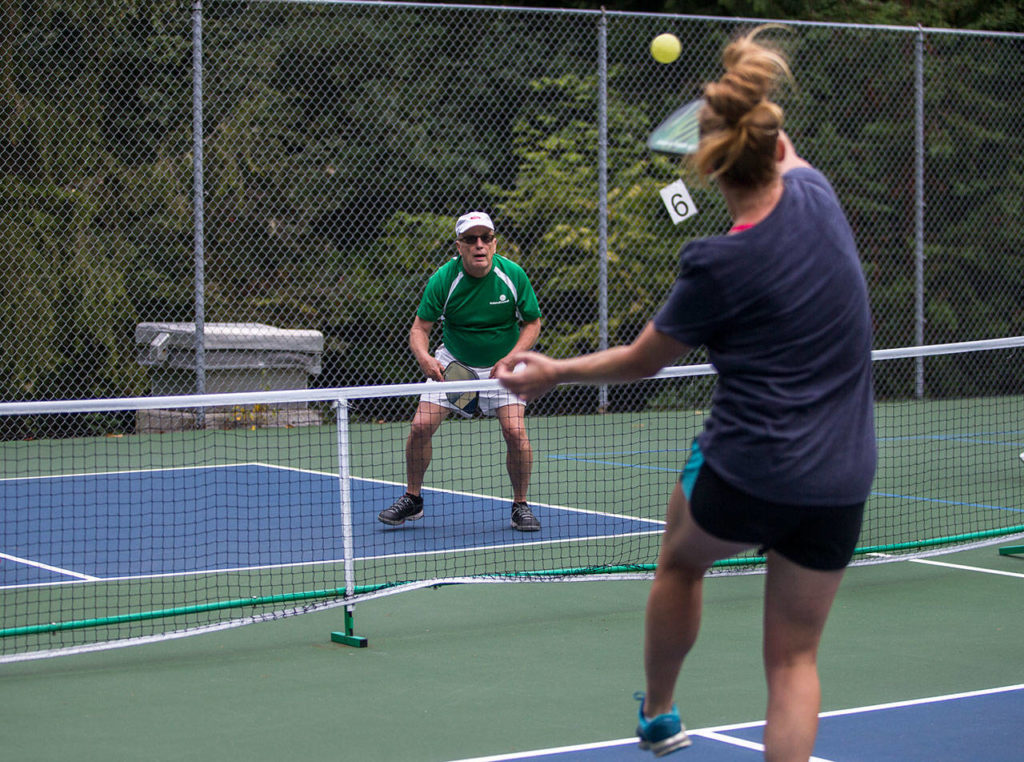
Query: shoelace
(408,504)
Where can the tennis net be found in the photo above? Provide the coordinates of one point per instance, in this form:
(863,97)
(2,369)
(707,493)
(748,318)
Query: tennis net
(130,520)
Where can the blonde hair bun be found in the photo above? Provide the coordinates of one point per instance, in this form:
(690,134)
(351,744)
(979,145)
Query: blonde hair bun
(739,123)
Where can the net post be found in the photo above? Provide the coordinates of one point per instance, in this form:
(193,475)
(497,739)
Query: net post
(345,502)
(1013,550)
(348,638)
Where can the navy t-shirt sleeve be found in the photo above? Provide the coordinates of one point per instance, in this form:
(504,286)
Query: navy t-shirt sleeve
(813,176)
(693,310)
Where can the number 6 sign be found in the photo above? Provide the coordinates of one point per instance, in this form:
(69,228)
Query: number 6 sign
(678,202)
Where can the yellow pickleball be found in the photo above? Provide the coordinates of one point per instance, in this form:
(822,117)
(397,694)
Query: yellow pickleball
(666,48)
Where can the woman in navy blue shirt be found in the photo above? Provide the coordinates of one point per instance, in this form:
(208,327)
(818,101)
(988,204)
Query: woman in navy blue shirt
(786,458)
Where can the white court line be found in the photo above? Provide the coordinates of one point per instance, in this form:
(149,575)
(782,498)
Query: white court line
(715,733)
(154,469)
(656,528)
(711,735)
(881,707)
(549,752)
(981,569)
(962,567)
(742,743)
(927,700)
(657,523)
(40,565)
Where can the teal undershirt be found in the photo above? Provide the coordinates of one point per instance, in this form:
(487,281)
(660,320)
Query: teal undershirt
(693,464)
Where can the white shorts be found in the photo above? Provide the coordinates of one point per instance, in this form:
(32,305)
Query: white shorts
(490,400)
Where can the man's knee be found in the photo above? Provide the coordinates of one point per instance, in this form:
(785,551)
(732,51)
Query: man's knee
(516,439)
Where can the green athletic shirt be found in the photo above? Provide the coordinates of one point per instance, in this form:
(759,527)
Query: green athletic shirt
(480,317)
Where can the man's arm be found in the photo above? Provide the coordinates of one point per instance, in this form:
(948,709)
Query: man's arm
(419,343)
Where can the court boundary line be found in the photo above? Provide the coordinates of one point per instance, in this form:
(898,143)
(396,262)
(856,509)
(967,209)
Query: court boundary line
(657,527)
(948,565)
(40,565)
(141,471)
(506,546)
(316,472)
(300,564)
(481,496)
(886,705)
(715,732)
(616,464)
(963,567)
(743,743)
(941,501)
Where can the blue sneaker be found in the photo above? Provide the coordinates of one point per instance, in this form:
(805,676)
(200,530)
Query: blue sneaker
(663,734)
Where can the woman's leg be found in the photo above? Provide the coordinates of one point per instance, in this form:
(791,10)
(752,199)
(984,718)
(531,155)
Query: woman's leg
(796,605)
(674,603)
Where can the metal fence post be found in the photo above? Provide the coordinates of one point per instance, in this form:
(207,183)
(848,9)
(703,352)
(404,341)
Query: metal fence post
(919,206)
(197,193)
(602,192)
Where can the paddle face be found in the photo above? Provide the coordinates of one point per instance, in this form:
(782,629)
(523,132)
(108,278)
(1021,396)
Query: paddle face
(679,134)
(466,403)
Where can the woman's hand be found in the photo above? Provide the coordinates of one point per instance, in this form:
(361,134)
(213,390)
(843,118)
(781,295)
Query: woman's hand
(528,374)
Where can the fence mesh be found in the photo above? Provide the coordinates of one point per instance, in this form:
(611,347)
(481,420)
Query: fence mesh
(341,140)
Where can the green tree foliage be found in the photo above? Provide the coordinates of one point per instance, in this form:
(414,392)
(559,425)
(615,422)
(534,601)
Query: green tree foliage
(338,132)
(556,226)
(84,129)
(975,183)
(992,15)
(842,130)
(340,142)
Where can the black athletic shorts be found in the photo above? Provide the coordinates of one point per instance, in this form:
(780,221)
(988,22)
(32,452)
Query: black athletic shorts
(817,537)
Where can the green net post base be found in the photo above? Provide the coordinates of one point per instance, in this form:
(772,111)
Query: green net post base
(347,637)
(1012,550)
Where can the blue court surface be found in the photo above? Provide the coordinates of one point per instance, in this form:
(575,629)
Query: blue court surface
(981,725)
(180,521)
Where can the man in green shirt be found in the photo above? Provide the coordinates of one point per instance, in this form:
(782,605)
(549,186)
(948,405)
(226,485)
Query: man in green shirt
(488,312)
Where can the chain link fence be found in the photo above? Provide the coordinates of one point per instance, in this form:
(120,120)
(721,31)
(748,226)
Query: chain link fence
(340,141)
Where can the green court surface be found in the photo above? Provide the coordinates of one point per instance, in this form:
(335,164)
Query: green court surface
(471,670)
(478,670)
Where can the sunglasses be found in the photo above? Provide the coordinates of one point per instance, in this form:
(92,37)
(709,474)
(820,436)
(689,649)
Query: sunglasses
(472,239)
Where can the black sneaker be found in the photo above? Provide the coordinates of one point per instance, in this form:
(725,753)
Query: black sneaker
(407,507)
(523,518)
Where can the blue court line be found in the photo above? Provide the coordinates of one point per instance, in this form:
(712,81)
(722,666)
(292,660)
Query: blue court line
(597,458)
(959,504)
(623,452)
(960,438)
(578,459)
(621,464)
